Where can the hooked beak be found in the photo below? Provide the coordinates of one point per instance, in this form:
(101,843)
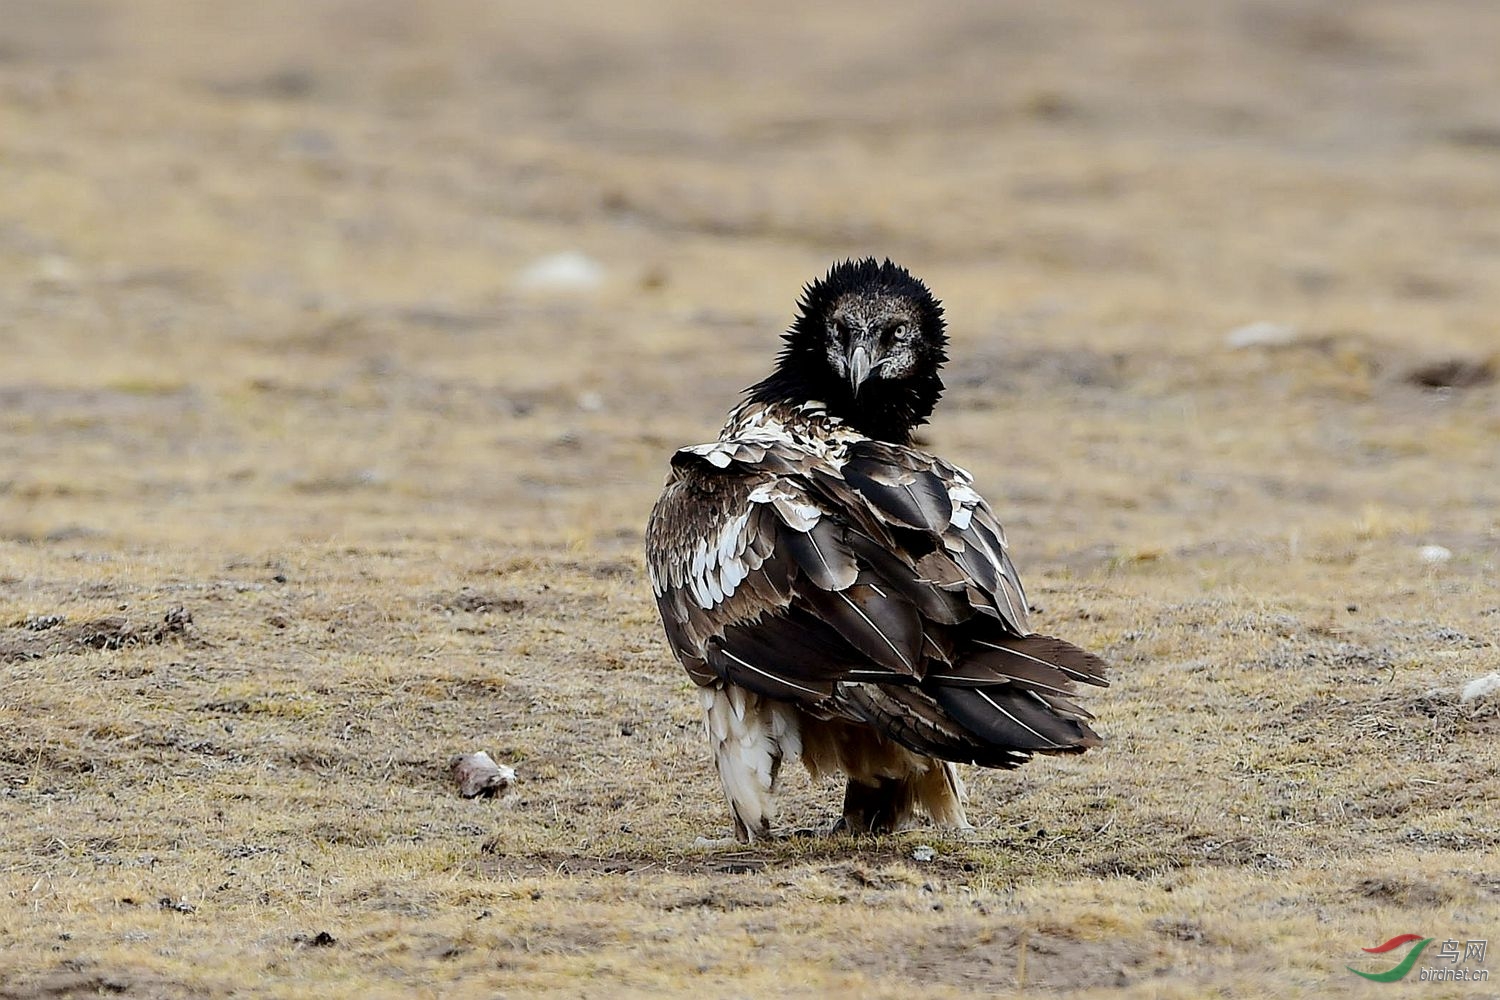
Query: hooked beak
(859,368)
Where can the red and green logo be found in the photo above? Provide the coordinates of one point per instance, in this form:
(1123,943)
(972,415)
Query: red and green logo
(1402,967)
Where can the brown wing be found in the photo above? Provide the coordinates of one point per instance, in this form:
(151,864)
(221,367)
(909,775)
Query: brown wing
(880,591)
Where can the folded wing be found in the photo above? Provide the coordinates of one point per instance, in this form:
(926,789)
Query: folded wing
(878,589)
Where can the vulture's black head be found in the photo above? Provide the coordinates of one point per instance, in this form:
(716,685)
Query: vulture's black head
(868,343)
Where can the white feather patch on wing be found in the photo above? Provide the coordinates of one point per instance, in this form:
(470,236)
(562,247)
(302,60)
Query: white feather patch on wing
(964,499)
(794,509)
(719,565)
(700,593)
(731,575)
(731,540)
(699,564)
(797,514)
(717,453)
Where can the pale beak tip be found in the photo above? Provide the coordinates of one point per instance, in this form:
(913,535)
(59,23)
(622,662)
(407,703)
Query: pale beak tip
(859,368)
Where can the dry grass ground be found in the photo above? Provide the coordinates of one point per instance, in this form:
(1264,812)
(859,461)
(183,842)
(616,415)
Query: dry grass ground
(265,357)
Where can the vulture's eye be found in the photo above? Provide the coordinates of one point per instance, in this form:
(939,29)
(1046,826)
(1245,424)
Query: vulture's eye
(841,329)
(901,331)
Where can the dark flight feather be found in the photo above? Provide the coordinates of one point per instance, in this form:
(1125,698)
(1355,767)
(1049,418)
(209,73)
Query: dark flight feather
(1009,717)
(918,723)
(823,555)
(914,497)
(883,626)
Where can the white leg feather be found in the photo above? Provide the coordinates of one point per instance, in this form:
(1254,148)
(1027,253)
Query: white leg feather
(750,738)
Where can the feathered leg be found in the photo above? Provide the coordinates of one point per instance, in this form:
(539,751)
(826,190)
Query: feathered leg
(872,808)
(886,805)
(750,738)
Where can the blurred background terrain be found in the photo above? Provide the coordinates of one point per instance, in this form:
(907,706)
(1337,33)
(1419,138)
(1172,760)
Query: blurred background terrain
(361,332)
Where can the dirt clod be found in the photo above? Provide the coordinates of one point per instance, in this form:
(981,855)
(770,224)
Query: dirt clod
(322,939)
(478,602)
(50,635)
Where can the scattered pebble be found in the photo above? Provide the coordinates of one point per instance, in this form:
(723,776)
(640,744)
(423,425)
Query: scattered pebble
(654,278)
(57,270)
(1453,373)
(569,271)
(1262,333)
(1434,555)
(1480,687)
(478,776)
(923,853)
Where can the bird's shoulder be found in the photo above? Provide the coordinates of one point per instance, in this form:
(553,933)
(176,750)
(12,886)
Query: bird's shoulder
(765,437)
(710,509)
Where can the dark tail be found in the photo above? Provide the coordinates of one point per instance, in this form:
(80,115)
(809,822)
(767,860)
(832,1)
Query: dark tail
(1014,693)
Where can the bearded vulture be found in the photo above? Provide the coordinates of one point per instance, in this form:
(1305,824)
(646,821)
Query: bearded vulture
(843,597)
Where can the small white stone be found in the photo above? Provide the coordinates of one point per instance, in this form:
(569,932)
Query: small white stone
(56,269)
(1261,333)
(1434,554)
(1480,687)
(478,775)
(569,271)
(923,853)
(713,843)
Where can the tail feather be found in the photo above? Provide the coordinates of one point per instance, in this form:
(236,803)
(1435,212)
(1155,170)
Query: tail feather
(1005,716)
(1015,692)
(1037,656)
(912,718)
